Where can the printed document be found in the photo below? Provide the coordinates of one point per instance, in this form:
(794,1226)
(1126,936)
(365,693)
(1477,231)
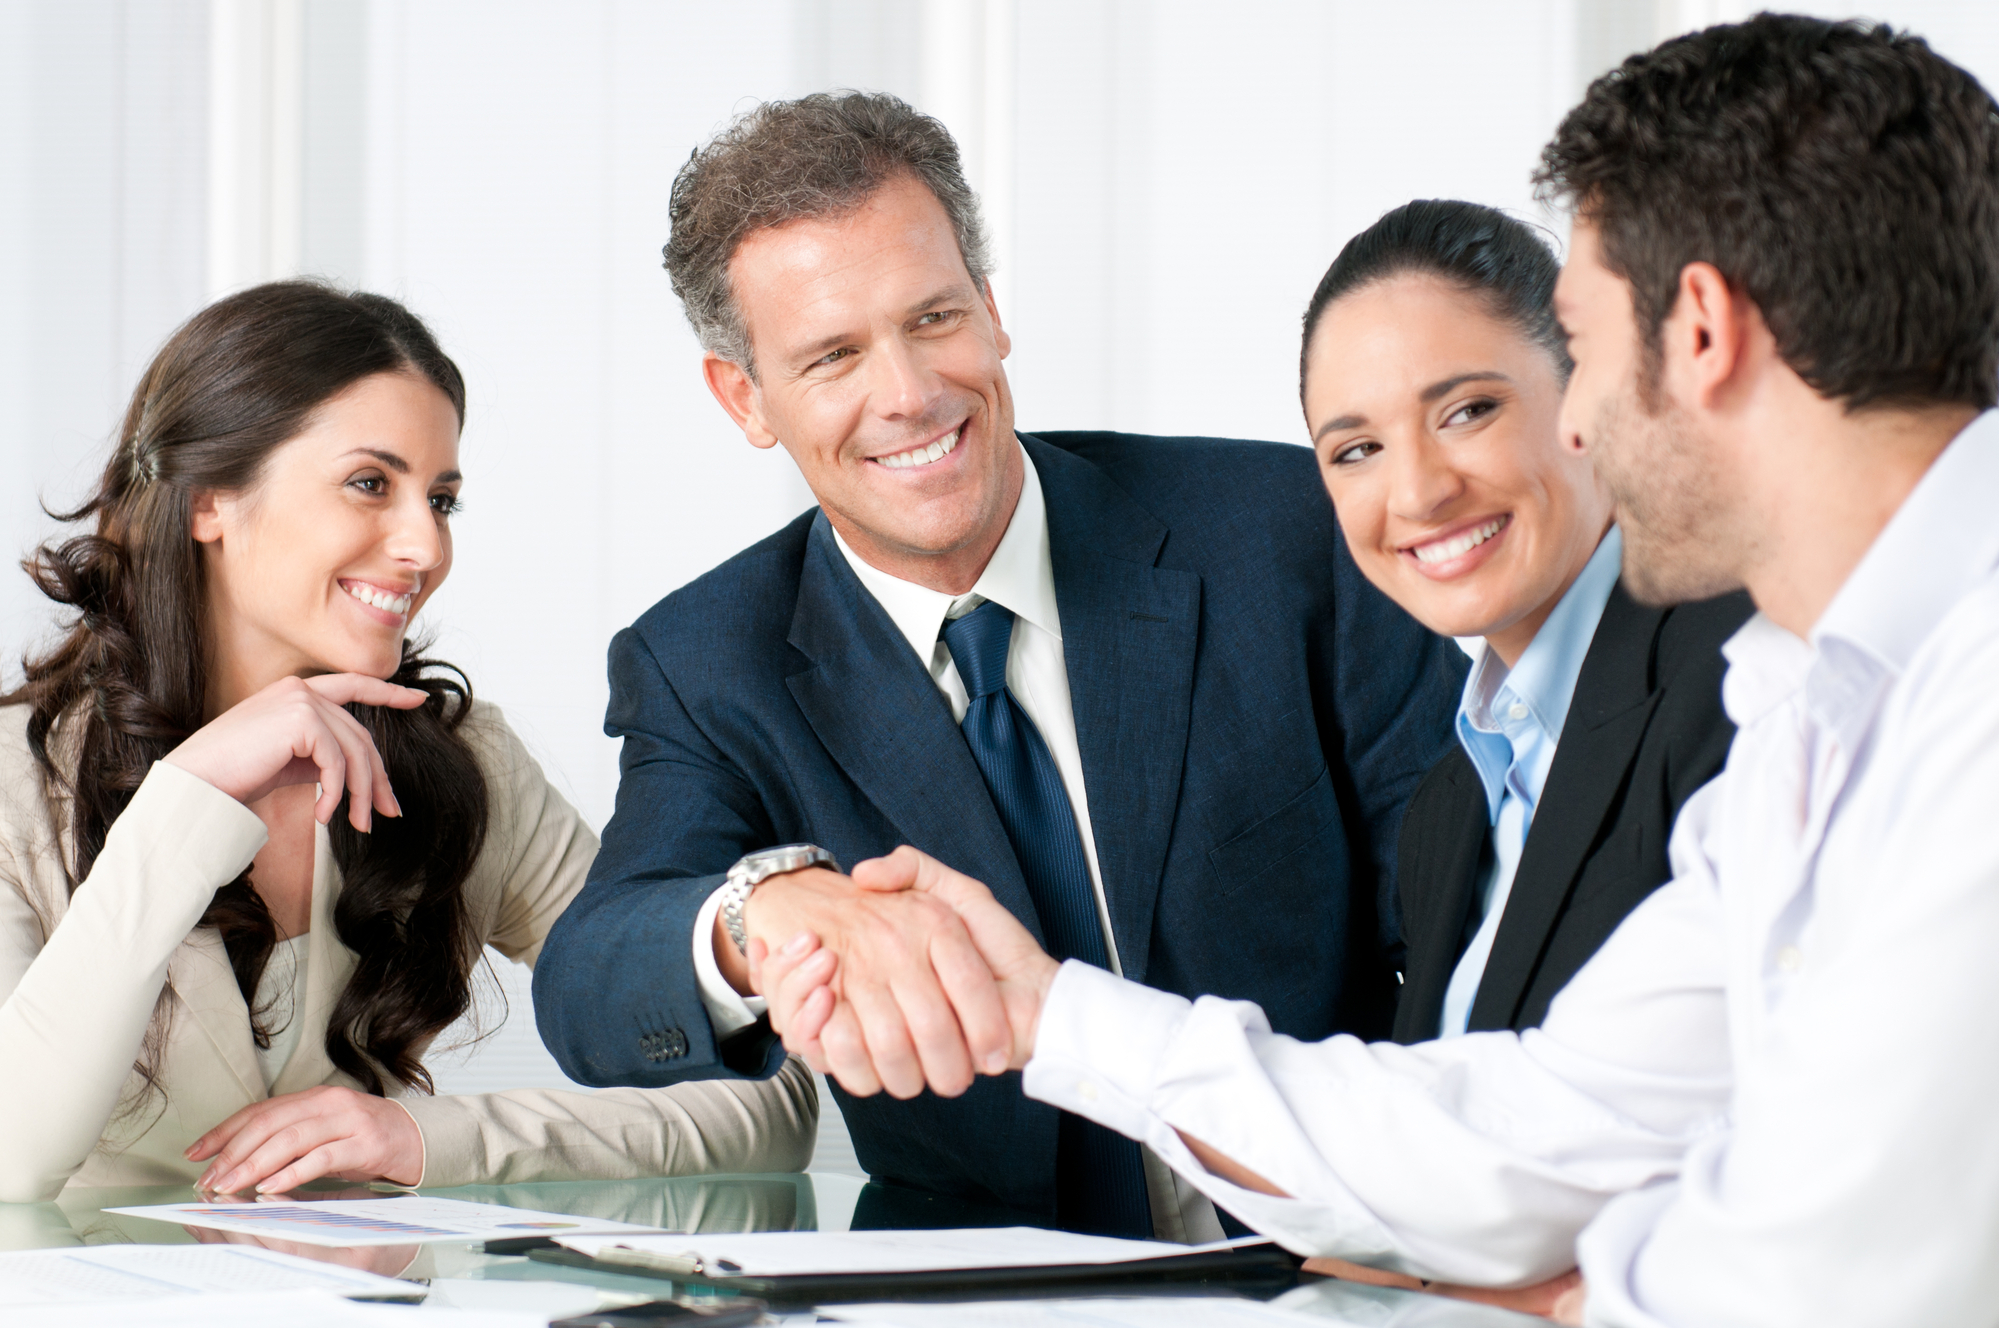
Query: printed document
(1095,1312)
(798,1253)
(82,1274)
(292,1309)
(408,1220)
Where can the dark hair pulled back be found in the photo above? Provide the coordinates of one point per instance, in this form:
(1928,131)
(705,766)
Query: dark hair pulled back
(128,680)
(1480,249)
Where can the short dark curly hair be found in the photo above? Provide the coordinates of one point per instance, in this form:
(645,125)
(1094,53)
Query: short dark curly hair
(1843,177)
(782,161)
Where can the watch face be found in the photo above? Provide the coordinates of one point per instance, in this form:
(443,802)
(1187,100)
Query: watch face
(782,853)
(786,857)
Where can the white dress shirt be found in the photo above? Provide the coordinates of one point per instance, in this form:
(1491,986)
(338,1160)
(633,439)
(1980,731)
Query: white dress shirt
(1509,723)
(1020,577)
(1769,1099)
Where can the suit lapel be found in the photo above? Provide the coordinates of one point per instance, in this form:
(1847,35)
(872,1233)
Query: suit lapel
(878,712)
(205,985)
(328,966)
(1613,704)
(1129,634)
(1447,830)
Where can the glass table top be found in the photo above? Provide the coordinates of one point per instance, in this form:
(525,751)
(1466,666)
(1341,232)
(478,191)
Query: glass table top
(778,1202)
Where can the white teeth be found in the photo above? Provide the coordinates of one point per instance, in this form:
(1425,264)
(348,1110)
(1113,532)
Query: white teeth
(1458,545)
(381,599)
(923,456)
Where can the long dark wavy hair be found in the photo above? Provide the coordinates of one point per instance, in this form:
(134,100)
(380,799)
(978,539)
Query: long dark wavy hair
(128,679)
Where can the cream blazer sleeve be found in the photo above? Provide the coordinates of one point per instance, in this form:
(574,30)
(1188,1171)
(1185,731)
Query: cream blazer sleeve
(79,978)
(536,855)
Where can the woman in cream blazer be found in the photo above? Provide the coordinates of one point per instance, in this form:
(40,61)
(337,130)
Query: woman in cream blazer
(141,1050)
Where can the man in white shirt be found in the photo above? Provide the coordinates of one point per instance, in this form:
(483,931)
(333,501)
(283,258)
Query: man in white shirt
(1113,676)
(1769,1098)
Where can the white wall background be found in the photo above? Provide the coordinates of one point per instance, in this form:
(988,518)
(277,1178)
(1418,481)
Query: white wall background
(1166,179)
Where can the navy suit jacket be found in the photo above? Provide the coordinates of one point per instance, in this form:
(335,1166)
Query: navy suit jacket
(1252,715)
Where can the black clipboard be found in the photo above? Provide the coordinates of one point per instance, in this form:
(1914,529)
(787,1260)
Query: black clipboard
(1260,1266)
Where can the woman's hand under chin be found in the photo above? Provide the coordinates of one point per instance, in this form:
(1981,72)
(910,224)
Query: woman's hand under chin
(284,1142)
(295,732)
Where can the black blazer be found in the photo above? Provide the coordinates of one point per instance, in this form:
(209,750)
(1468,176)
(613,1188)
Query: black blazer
(1645,730)
(1252,716)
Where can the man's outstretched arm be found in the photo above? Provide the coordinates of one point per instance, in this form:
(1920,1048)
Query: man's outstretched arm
(1475,1161)
(619,997)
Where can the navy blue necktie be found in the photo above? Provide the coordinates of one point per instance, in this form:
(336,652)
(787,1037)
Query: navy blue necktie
(1099,1178)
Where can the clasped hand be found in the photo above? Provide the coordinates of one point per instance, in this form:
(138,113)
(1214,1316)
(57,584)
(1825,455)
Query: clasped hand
(839,1013)
(917,978)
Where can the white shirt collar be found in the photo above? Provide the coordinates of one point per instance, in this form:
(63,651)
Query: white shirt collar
(1020,575)
(1940,543)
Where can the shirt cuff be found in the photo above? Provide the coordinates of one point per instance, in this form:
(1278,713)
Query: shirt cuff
(1110,1050)
(1098,1053)
(423,1167)
(1100,1045)
(729,1012)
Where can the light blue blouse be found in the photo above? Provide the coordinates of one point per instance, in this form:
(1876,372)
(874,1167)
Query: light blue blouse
(1509,722)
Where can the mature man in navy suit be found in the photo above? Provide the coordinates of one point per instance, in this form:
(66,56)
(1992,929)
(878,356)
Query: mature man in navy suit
(1136,685)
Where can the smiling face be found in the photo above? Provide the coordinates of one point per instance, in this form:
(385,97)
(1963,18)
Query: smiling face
(879,370)
(1435,424)
(320,566)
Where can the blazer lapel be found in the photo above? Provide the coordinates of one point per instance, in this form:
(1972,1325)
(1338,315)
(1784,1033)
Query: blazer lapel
(328,966)
(1613,703)
(1129,634)
(881,717)
(205,985)
(1447,829)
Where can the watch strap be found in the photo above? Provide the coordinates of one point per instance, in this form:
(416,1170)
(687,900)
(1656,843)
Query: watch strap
(752,869)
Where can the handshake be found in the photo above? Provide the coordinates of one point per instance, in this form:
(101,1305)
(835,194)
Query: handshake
(905,975)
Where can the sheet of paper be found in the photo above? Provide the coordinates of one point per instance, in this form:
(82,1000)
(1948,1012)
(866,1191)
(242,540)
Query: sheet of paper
(551,1300)
(86,1273)
(292,1309)
(1104,1312)
(410,1220)
(792,1253)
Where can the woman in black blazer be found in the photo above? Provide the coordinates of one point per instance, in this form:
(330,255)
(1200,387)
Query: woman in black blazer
(1432,375)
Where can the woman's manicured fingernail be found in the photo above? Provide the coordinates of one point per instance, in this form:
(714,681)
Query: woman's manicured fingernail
(798,944)
(996,1063)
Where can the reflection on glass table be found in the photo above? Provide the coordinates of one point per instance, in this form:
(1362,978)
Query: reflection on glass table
(805,1202)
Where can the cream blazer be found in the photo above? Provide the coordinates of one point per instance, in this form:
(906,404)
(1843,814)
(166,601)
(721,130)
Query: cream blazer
(81,977)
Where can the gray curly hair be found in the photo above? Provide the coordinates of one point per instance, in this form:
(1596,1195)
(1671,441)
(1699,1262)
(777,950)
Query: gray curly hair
(783,161)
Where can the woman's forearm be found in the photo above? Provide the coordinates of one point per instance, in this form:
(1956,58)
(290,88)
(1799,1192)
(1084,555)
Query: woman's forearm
(689,1129)
(73,1025)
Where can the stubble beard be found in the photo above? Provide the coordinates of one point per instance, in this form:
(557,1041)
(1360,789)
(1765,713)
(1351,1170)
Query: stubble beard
(1681,539)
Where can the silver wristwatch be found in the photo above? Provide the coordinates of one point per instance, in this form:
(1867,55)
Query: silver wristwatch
(760,866)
